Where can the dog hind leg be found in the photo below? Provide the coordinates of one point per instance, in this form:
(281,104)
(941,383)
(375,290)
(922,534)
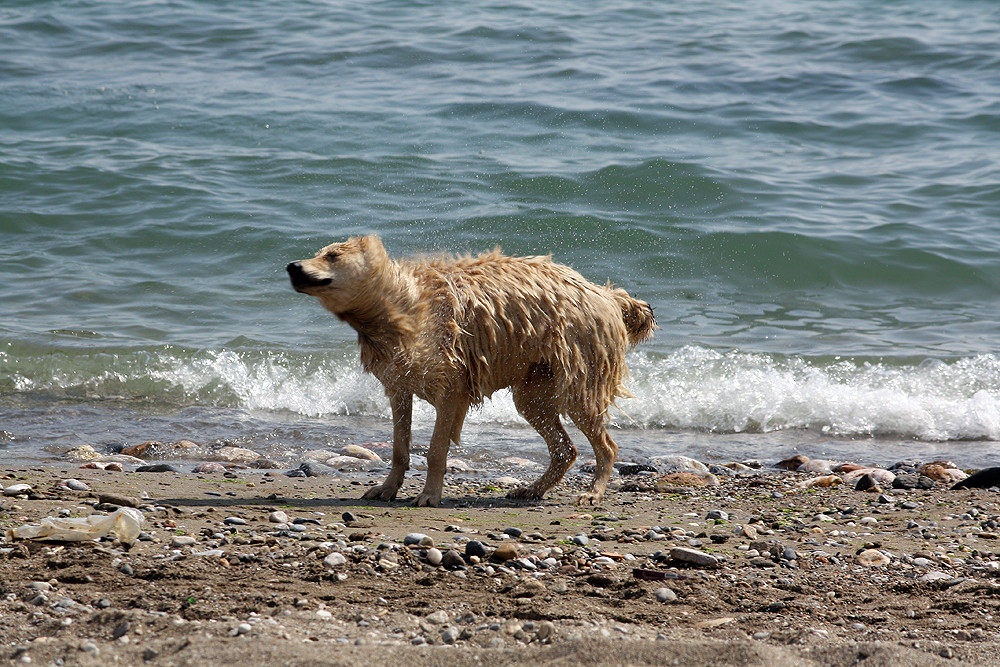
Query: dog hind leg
(605,450)
(533,399)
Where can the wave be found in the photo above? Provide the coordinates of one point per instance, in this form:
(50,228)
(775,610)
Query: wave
(691,389)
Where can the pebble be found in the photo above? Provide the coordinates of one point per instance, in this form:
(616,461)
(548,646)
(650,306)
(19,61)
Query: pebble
(452,559)
(693,556)
(581,540)
(335,559)
(418,539)
(665,595)
(434,556)
(475,548)
(505,552)
(182,541)
(209,467)
(234,521)
(717,515)
(278,517)
(75,485)
(872,558)
(360,452)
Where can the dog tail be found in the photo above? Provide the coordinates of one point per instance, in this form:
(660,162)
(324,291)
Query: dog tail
(637,315)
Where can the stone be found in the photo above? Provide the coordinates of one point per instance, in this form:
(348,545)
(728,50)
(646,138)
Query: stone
(452,559)
(16,489)
(665,595)
(335,559)
(984,479)
(717,515)
(75,485)
(434,556)
(182,541)
(278,517)
(694,557)
(581,540)
(871,558)
(236,454)
(505,552)
(450,635)
(359,452)
(545,630)
(513,532)
(418,539)
(475,548)
(439,617)
(208,467)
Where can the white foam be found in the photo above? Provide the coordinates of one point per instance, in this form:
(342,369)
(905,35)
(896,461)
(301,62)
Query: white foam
(697,388)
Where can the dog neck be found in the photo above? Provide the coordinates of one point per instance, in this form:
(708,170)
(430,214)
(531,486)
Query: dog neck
(385,318)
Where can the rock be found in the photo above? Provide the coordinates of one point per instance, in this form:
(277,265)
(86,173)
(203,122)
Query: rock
(182,541)
(16,489)
(278,517)
(513,532)
(820,482)
(580,540)
(935,575)
(634,468)
(359,452)
(234,521)
(120,500)
(505,552)
(793,462)
(942,471)
(452,559)
(665,595)
(310,469)
(879,476)
(545,630)
(82,453)
(694,557)
(209,467)
(434,556)
(439,617)
(684,479)
(820,466)
(677,463)
(871,558)
(418,539)
(602,580)
(157,467)
(450,635)
(146,449)
(335,559)
(717,515)
(475,548)
(235,454)
(984,479)
(75,485)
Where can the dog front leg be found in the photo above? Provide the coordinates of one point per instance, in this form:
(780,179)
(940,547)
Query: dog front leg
(402,420)
(447,428)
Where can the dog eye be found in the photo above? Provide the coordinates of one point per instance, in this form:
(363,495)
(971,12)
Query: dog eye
(331,256)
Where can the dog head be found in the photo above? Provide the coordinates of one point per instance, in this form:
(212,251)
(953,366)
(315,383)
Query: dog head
(340,271)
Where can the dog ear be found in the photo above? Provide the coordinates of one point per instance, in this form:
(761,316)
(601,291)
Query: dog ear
(371,245)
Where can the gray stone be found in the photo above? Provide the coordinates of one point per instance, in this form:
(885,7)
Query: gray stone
(335,559)
(694,557)
(665,595)
(718,515)
(475,548)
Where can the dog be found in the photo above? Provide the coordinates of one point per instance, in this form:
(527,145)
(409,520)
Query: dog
(453,330)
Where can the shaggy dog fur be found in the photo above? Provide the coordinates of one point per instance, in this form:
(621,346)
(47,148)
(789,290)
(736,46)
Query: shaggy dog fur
(454,330)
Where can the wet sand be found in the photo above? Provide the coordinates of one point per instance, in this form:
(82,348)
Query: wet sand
(754,571)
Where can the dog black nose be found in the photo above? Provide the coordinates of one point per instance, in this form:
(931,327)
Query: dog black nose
(294,269)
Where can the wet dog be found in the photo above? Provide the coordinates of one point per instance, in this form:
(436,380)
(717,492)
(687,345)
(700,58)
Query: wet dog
(453,330)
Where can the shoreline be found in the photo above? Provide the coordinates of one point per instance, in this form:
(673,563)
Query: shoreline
(758,569)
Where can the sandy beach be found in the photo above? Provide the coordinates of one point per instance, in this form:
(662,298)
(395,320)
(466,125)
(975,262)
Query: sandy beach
(261,567)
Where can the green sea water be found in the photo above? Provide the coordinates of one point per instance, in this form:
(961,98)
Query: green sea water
(808,193)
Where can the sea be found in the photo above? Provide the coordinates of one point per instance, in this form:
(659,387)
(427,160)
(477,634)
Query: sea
(807,192)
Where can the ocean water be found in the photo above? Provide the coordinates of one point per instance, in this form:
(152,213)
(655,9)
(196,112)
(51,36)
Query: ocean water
(808,193)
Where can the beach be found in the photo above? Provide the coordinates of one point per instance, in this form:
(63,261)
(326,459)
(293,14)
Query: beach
(257,566)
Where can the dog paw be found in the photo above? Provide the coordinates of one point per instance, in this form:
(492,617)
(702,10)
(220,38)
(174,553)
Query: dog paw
(590,498)
(381,492)
(525,493)
(426,500)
